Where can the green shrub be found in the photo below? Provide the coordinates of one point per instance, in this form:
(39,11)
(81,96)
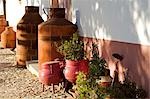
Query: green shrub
(72,49)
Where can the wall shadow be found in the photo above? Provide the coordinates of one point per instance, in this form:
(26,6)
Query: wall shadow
(118,26)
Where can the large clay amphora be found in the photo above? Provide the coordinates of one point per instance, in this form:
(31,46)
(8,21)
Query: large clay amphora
(27,35)
(51,33)
(8,38)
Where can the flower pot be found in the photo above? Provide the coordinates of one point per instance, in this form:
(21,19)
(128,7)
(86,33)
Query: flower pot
(73,67)
(83,66)
(50,73)
(104,81)
(71,70)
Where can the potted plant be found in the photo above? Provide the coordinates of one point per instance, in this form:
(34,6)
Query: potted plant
(87,88)
(74,54)
(98,68)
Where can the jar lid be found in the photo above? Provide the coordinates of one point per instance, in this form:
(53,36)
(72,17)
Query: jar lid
(32,9)
(57,13)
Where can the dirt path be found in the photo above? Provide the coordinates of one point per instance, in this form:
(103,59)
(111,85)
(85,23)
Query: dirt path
(19,83)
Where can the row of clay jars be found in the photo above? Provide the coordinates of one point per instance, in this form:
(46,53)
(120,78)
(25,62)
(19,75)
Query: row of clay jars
(50,32)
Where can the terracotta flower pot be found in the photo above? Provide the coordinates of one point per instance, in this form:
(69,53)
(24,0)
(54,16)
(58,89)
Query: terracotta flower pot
(104,81)
(73,67)
(71,70)
(83,67)
(50,73)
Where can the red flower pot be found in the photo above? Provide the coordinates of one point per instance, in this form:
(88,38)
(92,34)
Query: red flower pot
(84,67)
(71,70)
(50,73)
(73,67)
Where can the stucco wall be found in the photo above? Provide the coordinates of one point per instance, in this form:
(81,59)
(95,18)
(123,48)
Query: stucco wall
(14,11)
(136,58)
(1,8)
(118,26)
(118,20)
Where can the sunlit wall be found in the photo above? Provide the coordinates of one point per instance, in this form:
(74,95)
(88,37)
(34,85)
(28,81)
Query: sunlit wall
(1,7)
(118,20)
(14,11)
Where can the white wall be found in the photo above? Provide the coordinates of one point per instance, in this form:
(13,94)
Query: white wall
(119,20)
(14,11)
(1,8)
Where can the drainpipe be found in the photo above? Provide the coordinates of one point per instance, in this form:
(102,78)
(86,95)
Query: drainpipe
(4,8)
(55,4)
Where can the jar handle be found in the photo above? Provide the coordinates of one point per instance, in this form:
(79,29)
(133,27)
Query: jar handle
(45,12)
(51,69)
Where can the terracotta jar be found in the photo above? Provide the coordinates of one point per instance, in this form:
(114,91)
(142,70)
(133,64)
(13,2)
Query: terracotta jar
(3,24)
(27,35)
(8,38)
(50,73)
(51,33)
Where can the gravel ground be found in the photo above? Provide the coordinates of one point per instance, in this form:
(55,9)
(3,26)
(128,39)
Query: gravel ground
(19,83)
